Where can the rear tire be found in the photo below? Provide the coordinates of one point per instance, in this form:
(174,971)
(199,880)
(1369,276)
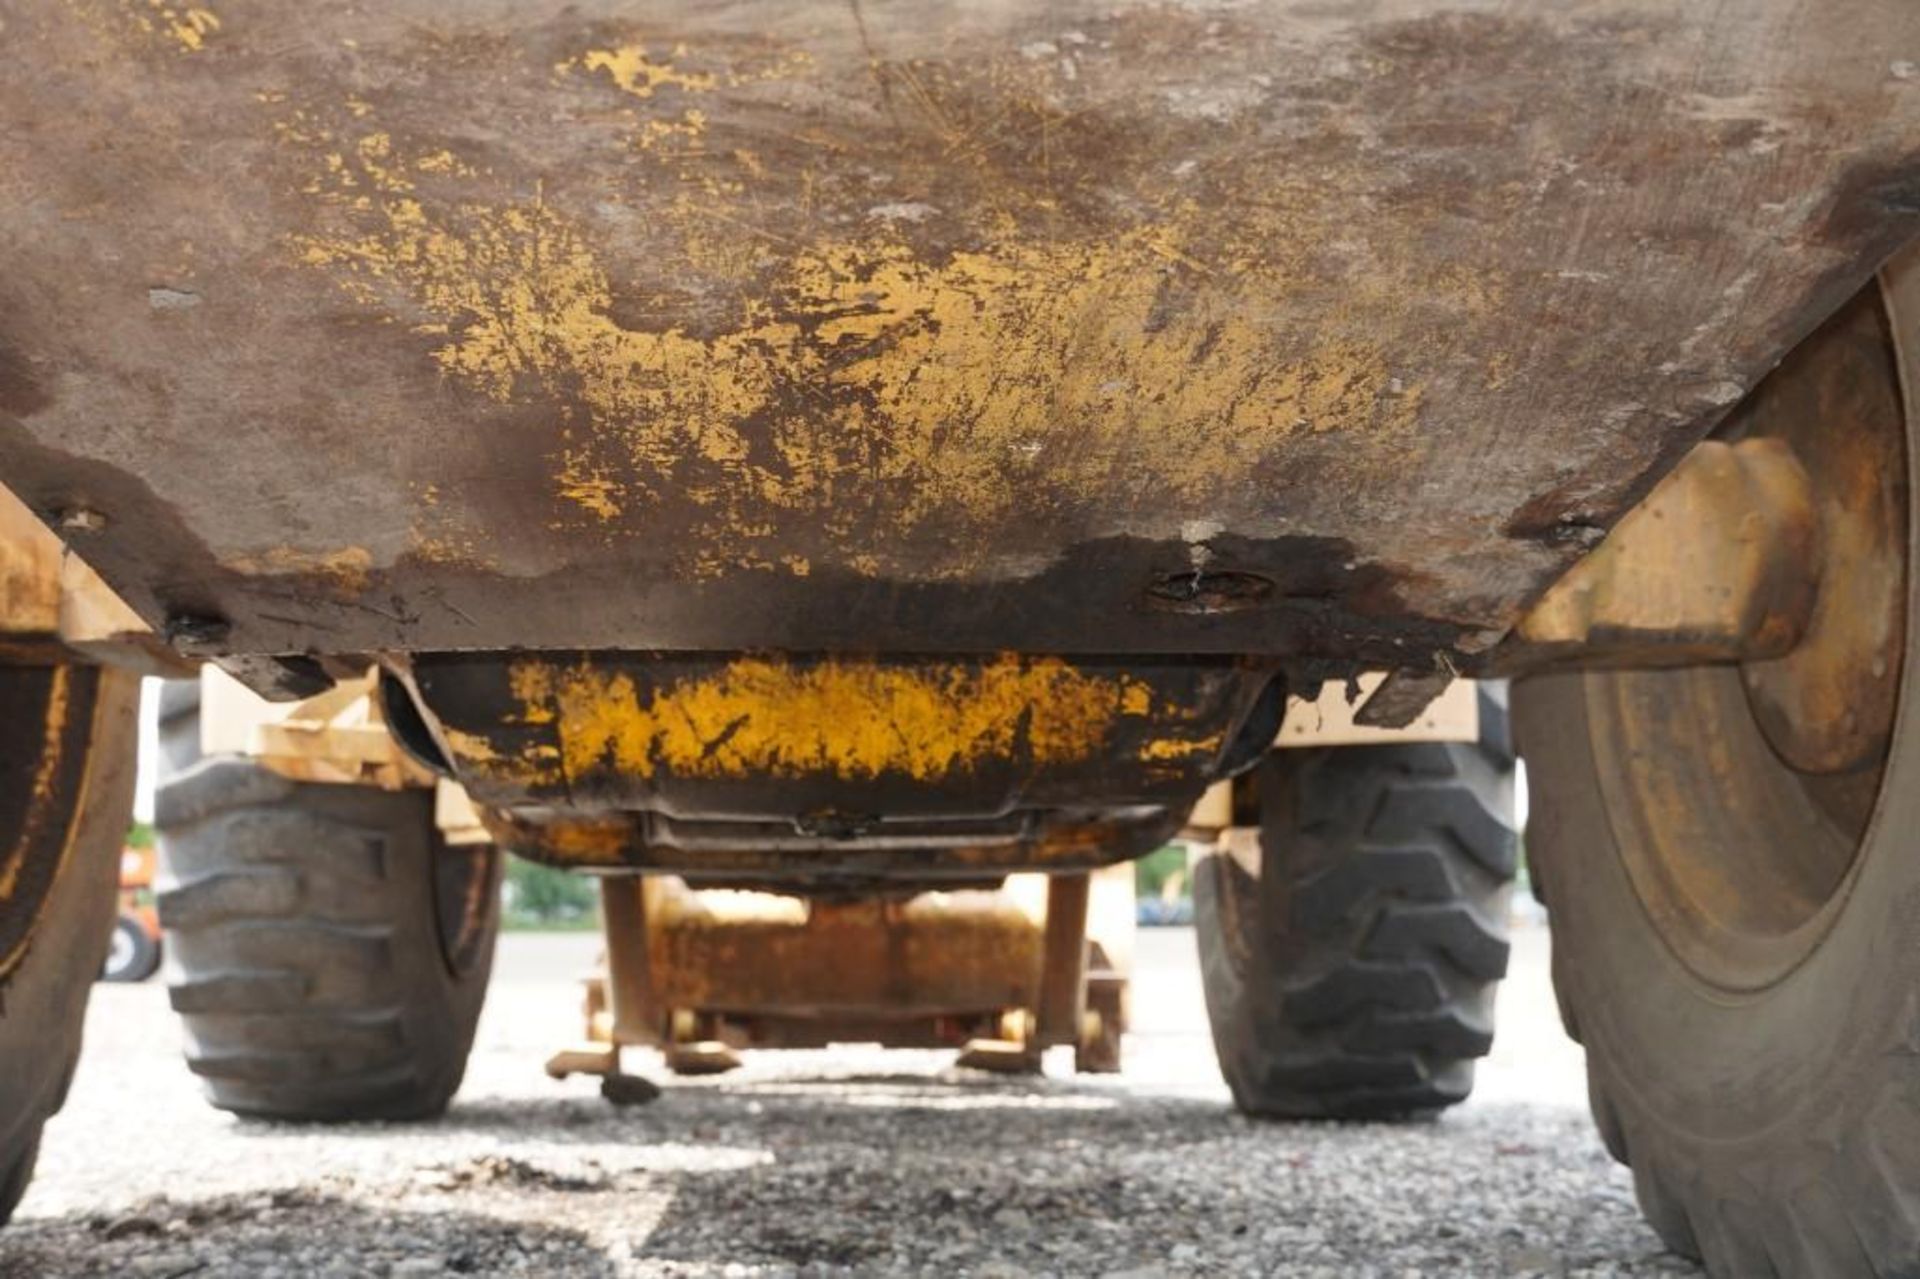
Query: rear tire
(68,733)
(1351,973)
(330,951)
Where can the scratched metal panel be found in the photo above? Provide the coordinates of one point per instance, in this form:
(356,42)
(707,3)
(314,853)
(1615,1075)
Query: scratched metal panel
(931,326)
(820,739)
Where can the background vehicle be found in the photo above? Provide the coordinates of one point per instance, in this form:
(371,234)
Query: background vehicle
(864,452)
(134,952)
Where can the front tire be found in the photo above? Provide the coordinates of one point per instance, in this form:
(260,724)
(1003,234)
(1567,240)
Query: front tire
(1350,966)
(67,744)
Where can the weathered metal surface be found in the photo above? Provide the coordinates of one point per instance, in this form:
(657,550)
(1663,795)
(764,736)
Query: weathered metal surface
(635,1016)
(938,953)
(1827,706)
(1720,563)
(53,608)
(1062,997)
(885,855)
(850,771)
(703,973)
(1781,547)
(832,743)
(1300,329)
(1403,697)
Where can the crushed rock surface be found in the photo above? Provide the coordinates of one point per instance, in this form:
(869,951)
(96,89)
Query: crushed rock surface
(843,1161)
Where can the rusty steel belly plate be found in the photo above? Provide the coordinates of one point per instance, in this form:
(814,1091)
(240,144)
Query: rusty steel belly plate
(1283,328)
(825,738)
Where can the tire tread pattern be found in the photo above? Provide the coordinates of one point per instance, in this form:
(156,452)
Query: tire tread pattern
(1365,989)
(306,962)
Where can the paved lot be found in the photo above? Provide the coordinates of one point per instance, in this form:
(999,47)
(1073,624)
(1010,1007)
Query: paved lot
(849,1160)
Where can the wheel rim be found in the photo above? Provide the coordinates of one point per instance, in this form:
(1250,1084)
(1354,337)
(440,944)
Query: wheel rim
(465,901)
(1742,796)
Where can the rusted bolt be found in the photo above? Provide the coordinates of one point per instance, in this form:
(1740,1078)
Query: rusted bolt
(82,519)
(198,634)
(1198,591)
(1574,530)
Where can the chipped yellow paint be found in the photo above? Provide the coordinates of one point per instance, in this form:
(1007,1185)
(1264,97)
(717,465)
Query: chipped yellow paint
(442,161)
(1024,373)
(480,759)
(687,131)
(766,717)
(630,68)
(594,490)
(346,570)
(587,843)
(1176,749)
(472,748)
(532,685)
(187,27)
(633,71)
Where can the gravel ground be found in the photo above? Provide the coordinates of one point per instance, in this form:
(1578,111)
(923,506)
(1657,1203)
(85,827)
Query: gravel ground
(818,1162)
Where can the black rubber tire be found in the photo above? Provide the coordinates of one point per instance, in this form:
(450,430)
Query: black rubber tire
(43,1000)
(1353,976)
(310,965)
(142,958)
(1774,1134)
(1736,941)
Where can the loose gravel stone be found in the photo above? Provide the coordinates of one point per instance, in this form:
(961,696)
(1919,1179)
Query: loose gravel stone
(827,1163)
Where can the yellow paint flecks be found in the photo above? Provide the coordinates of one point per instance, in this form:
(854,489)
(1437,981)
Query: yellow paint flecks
(480,759)
(1027,371)
(630,68)
(847,719)
(591,490)
(686,131)
(188,27)
(582,843)
(532,686)
(471,748)
(633,70)
(441,161)
(1177,749)
(528,305)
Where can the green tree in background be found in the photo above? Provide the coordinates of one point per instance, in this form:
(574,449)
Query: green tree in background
(1151,873)
(536,896)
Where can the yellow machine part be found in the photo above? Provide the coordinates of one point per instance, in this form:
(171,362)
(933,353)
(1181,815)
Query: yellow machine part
(340,736)
(55,608)
(1003,973)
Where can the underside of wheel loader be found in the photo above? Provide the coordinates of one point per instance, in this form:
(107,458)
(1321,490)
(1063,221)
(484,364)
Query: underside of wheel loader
(863,452)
